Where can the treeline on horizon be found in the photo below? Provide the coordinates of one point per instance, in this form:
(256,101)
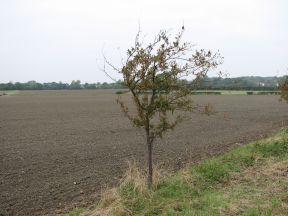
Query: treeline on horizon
(207,83)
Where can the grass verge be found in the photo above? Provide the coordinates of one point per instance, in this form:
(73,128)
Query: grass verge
(249,180)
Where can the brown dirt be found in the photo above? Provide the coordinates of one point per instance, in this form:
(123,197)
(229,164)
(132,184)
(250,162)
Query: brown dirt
(58,148)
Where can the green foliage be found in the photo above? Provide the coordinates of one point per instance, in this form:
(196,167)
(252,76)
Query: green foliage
(120,92)
(263,93)
(208,83)
(206,93)
(75,84)
(284,89)
(268,93)
(252,83)
(152,75)
(33,85)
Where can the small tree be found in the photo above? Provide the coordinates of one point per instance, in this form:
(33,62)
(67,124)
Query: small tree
(153,74)
(284,89)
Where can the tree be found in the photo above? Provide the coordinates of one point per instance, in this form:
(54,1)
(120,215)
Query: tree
(75,84)
(153,73)
(33,85)
(284,89)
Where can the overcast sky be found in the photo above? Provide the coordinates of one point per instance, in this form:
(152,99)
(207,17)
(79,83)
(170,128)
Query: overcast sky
(60,40)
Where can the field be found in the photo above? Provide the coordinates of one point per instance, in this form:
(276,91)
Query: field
(59,148)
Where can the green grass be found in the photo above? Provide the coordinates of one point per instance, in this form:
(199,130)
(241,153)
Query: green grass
(77,212)
(248,180)
(10,92)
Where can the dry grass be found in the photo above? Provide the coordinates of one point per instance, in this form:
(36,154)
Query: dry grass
(259,188)
(136,177)
(111,203)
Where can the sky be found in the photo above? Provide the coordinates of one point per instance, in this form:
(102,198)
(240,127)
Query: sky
(64,40)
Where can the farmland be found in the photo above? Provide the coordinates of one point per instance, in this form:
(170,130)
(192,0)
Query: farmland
(59,148)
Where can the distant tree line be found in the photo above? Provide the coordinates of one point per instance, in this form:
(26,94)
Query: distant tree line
(75,84)
(207,83)
(255,83)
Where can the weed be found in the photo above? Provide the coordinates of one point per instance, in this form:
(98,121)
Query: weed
(212,171)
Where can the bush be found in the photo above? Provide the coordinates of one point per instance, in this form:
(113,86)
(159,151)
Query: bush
(268,93)
(120,92)
(207,93)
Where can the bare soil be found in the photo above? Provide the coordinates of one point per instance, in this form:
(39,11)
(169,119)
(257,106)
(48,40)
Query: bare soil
(58,149)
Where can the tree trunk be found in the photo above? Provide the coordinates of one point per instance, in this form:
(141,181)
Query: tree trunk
(150,166)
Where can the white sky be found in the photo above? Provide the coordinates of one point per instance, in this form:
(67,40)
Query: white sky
(60,40)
